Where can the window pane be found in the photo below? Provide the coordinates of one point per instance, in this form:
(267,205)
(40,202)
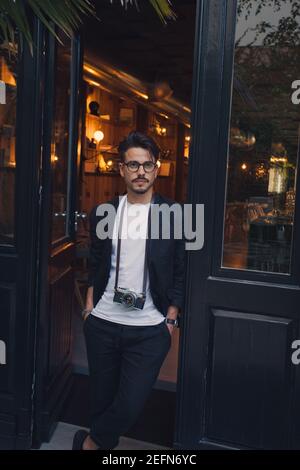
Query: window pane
(8,102)
(263,139)
(60,139)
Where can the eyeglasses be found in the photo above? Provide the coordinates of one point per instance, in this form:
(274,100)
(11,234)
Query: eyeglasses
(134,166)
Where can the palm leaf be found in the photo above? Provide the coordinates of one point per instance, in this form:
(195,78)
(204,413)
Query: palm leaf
(13,13)
(162,7)
(67,15)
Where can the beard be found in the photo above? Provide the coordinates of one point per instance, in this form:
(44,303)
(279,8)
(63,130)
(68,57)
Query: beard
(141,190)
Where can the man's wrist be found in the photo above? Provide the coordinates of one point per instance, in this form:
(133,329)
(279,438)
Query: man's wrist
(172,312)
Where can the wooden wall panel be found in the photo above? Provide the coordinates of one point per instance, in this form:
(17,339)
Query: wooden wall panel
(250,379)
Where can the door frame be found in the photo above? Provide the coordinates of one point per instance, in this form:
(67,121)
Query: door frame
(19,262)
(206,95)
(45,417)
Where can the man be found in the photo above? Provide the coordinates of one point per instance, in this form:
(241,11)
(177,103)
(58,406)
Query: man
(128,335)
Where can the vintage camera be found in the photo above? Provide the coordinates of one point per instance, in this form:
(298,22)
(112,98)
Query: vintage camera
(129,298)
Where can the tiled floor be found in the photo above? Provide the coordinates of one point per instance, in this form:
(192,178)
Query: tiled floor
(63,436)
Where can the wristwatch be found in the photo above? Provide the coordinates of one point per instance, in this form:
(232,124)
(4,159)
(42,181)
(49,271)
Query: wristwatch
(85,313)
(171,321)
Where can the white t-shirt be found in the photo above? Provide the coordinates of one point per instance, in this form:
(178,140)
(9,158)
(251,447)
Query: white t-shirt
(131,269)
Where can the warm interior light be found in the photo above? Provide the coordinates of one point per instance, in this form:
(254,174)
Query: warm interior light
(92,82)
(242,139)
(91,70)
(275,159)
(109,163)
(98,136)
(141,95)
(158,129)
(5,73)
(277,180)
(158,163)
(54,157)
(244,166)
(101,163)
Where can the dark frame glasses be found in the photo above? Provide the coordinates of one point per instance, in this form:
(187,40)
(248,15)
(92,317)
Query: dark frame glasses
(133,166)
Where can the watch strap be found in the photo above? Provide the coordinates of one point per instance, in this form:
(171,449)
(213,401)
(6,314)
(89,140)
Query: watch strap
(171,321)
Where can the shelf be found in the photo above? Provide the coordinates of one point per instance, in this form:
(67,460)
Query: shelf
(102,173)
(98,118)
(93,116)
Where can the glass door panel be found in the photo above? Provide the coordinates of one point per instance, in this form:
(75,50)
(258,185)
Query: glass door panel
(263,138)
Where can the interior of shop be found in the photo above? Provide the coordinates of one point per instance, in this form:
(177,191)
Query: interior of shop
(8,97)
(140,80)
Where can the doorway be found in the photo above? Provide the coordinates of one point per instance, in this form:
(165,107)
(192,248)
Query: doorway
(119,92)
(122,94)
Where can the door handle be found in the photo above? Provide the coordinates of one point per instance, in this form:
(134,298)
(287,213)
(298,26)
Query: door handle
(60,214)
(79,215)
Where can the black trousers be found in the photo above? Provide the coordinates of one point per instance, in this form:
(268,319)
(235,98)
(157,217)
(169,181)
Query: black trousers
(124,362)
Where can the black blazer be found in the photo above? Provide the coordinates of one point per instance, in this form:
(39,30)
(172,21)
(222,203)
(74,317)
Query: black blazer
(165,258)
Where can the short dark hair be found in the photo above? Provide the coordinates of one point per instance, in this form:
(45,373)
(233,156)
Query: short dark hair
(137,139)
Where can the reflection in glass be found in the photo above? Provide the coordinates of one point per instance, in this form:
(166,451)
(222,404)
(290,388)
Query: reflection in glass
(8,102)
(263,139)
(60,139)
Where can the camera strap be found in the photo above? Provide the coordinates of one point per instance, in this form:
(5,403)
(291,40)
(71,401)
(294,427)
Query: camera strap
(119,248)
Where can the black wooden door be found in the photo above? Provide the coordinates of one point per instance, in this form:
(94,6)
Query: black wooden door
(19,208)
(238,386)
(59,195)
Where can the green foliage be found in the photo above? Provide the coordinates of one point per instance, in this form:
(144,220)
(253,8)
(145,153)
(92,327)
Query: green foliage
(287,32)
(67,15)
(162,7)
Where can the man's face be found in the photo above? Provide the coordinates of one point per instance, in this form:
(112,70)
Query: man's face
(139,181)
